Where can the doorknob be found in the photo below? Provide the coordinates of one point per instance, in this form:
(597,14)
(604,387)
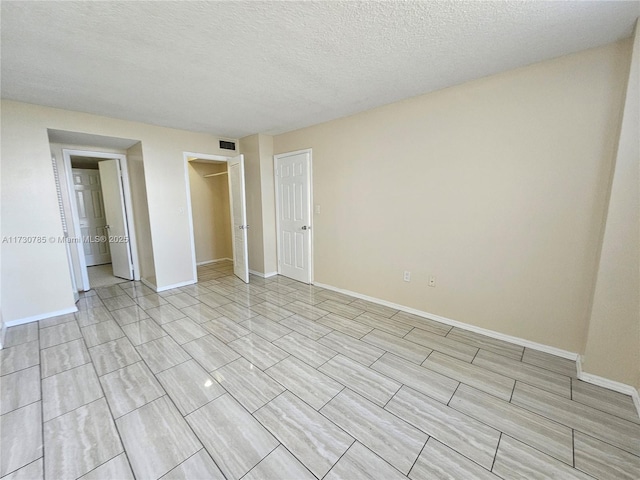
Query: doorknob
(306,228)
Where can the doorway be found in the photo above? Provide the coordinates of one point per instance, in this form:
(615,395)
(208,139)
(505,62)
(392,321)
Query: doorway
(217,212)
(100,200)
(294,236)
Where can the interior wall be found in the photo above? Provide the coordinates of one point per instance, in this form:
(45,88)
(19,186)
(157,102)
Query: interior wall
(211,211)
(268,204)
(613,343)
(496,187)
(36,278)
(140,205)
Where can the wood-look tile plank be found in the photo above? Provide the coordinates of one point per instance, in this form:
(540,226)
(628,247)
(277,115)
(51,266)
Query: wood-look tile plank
(184,330)
(383,323)
(116,468)
(19,389)
(258,351)
(399,346)
(307,311)
(484,342)
(518,460)
(190,386)
(201,313)
(63,357)
(69,390)
(464,434)
(118,301)
(249,385)
(533,429)
(162,353)
(470,374)
(210,352)
(32,471)
(24,333)
(442,344)
(360,462)
(607,427)
(601,460)
(307,327)
(196,467)
(345,325)
(539,377)
(419,378)
(101,332)
(79,441)
(19,357)
(374,308)
(351,347)
(306,382)
(271,311)
(560,365)
(439,462)
(313,439)
(234,439)
(225,329)
(307,350)
(363,380)
(129,388)
(604,399)
(113,355)
(340,309)
(396,441)
(278,465)
(165,313)
(422,323)
(58,334)
(128,315)
(143,331)
(181,300)
(267,329)
(91,316)
(150,301)
(20,437)
(235,312)
(156,438)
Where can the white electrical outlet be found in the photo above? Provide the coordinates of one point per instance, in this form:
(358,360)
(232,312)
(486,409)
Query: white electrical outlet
(318,209)
(407,276)
(432,281)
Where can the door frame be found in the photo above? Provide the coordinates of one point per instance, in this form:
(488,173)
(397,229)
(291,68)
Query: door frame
(188,156)
(128,205)
(276,158)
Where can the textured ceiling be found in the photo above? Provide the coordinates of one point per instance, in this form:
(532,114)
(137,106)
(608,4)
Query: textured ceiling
(237,68)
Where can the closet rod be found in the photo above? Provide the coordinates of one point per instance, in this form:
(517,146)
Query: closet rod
(214,174)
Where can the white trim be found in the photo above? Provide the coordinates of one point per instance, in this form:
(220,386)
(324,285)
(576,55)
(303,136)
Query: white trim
(3,331)
(455,323)
(217,260)
(263,275)
(188,156)
(276,178)
(42,316)
(149,284)
(175,285)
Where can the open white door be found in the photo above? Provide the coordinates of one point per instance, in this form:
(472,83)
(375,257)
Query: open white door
(293,210)
(238,218)
(114,210)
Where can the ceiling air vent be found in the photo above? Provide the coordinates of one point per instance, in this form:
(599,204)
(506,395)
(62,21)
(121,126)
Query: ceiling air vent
(227,145)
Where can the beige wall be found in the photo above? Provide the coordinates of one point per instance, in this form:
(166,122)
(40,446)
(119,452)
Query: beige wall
(258,164)
(613,343)
(210,210)
(35,278)
(135,163)
(497,187)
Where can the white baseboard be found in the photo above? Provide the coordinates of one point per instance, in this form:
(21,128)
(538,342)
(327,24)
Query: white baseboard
(455,323)
(149,284)
(263,275)
(175,285)
(207,262)
(612,385)
(42,316)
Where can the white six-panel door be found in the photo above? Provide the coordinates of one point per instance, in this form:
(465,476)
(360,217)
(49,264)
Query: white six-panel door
(88,192)
(238,218)
(293,190)
(118,232)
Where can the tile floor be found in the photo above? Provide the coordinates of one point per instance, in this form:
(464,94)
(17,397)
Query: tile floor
(281,380)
